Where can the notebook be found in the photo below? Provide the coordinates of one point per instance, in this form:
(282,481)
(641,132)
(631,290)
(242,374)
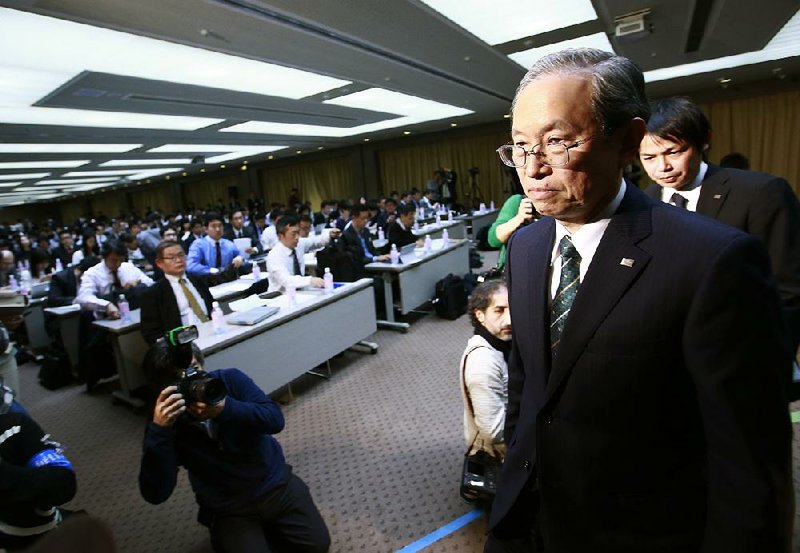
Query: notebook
(252,316)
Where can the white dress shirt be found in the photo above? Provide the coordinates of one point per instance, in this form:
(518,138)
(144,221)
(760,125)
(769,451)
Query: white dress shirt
(585,239)
(269,238)
(188,316)
(280,264)
(98,280)
(690,192)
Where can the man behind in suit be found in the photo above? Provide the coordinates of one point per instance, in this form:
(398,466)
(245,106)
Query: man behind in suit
(239,230)
(65,248)
(175,300)
(213,254)
(399,233)
(358,241)
(673,154)
(645,407)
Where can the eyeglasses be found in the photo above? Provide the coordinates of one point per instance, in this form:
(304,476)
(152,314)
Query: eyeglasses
(553,154)
(175,257)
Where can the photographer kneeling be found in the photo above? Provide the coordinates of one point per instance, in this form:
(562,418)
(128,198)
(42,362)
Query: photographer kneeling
(219,426)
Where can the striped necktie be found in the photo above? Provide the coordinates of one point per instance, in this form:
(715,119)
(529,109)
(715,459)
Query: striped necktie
(679,201)
(193,303)
(567,289)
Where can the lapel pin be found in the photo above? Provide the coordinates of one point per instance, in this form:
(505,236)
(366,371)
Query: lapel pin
(626,262)
(717,196)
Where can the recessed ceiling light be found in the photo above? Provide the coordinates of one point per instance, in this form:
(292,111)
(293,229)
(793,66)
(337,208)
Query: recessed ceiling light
(66,148)
(490,21)
(366,140)
(270,157)
(527,58)
(406,132)
(24,176)
(299,151)
(223,165)
(453,124)
(185,174)
(201,170)
(244,167)
(507,116)
(68,163)
(134,162)
(320,147)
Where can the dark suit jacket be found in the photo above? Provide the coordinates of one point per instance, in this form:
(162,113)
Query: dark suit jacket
(762,205)
(352,244)
(63,288)
(247,232)
(661,424)
(160,309)
(399,236)
(59,252)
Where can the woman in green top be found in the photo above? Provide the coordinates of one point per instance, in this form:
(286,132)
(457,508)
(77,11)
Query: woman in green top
(517,211)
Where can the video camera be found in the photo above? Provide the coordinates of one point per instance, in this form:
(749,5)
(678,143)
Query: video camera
(194,385)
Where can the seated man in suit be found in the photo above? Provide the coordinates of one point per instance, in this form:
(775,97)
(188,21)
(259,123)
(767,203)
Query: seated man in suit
(399,232)
(213,254)
(195,233)
(358,241)
(63,289)
(239,230)
(269,238)
(65,248)
(176,300)
(285,262)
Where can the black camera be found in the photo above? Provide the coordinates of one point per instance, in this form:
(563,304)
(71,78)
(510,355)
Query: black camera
(194,385)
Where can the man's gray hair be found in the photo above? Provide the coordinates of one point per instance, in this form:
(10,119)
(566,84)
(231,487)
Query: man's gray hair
(617,84)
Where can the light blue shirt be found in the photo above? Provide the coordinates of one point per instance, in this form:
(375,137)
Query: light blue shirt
(203,255)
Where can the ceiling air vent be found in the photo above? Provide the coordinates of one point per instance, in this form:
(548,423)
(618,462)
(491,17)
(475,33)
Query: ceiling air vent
(631,23)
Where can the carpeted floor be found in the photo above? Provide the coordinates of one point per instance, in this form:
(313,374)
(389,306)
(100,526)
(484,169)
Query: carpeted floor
(379,444)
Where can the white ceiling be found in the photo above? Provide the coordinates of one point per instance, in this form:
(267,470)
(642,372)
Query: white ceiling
(103,93)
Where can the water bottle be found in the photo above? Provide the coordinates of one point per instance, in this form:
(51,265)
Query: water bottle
(12,283)
(328,279)
(381,236)
(445,238)
(256,272)
(416,224)
(394,255)
(482,208)
(25,282)
(59,266)
(217,318)
(491,205)
(124,309)
(428,244)
(438,219)
(450,214)
(290,294)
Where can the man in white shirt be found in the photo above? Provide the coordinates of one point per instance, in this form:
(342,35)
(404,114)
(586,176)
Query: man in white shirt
(285,261)
(269,238)
(113,272)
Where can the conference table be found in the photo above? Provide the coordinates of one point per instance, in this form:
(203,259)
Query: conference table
(274,352)
(477,220)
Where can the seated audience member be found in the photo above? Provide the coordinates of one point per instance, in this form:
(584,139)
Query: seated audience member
(269,238)
(484,369)
(65,284)
(88,248)
(323,216)
(135,254)
(177,299)
(248,496)
(42,263)
(168,233)
(35,477)
(7,267)
(399,232)
(102,284)
(389,213)
(150,235)
(65,248)
(305,225)
(285,262)
(195,233)
(735,160)
(517,211)
(213,254)
(239,230)
(358,240)
(344,216)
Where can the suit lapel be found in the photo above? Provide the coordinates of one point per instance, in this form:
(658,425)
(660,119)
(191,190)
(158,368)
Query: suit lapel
(615,266)
(713,191)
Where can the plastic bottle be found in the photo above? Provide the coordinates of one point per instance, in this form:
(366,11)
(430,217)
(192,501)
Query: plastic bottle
(445,238)
(25,282)
(256,272)
(482,208)
(59,266)
(438,219)
(290,294)
(328,279)
(491,205)
(428,244)
(394,255)
(12,283)
(416,224)
(381,235)
(450,214)
(124,309)
(217,318)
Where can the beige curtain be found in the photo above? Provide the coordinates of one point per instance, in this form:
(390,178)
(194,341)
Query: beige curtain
(158,199)
(315,181)
(107,204)
(412,166)
(209,190)
(766,129)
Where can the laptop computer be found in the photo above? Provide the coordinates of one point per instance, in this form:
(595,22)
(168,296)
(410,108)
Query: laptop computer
(408,249)
(252,316)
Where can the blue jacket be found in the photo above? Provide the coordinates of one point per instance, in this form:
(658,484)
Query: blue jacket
(240,466)
(202,256)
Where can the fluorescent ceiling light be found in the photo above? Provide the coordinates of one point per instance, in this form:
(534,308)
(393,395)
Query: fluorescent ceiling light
(66,148)
(90,187)
(527,58)
(78,181)
(153,173)
(119,172)
(413,109)
(502,21)
(785,44)
(68,163)
(133,162)
(70,48)
(9,184)
(205,148)
(22,115)
(24,176)
(41,189)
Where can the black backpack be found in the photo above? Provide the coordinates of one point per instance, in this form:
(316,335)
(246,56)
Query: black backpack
(451,297)
(55,371)
(338,259)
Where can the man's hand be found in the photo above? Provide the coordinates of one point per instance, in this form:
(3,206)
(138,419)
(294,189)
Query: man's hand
(169,406)
(203,411)
(525,211)
(317,282)
(384,257)
(251,250)
(112,311)
(335,233)
(237,261)
(131,284)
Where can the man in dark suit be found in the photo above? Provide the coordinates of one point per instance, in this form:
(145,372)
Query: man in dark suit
(175,300)
(238,229)
(673,151)
(399,233)
(358,241)
(645,406)
(65,248)
(64,284)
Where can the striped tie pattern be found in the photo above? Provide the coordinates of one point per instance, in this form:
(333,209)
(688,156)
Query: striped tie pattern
(567,289)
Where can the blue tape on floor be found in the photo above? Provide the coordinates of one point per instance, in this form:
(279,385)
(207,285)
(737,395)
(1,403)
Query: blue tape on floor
(442,532)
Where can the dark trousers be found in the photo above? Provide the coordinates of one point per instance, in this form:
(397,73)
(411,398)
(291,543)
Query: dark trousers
(286,519)
(518,531)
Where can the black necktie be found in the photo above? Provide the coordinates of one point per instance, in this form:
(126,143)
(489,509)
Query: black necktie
(296,264)
(679,201)
(219,255)
(117,283)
